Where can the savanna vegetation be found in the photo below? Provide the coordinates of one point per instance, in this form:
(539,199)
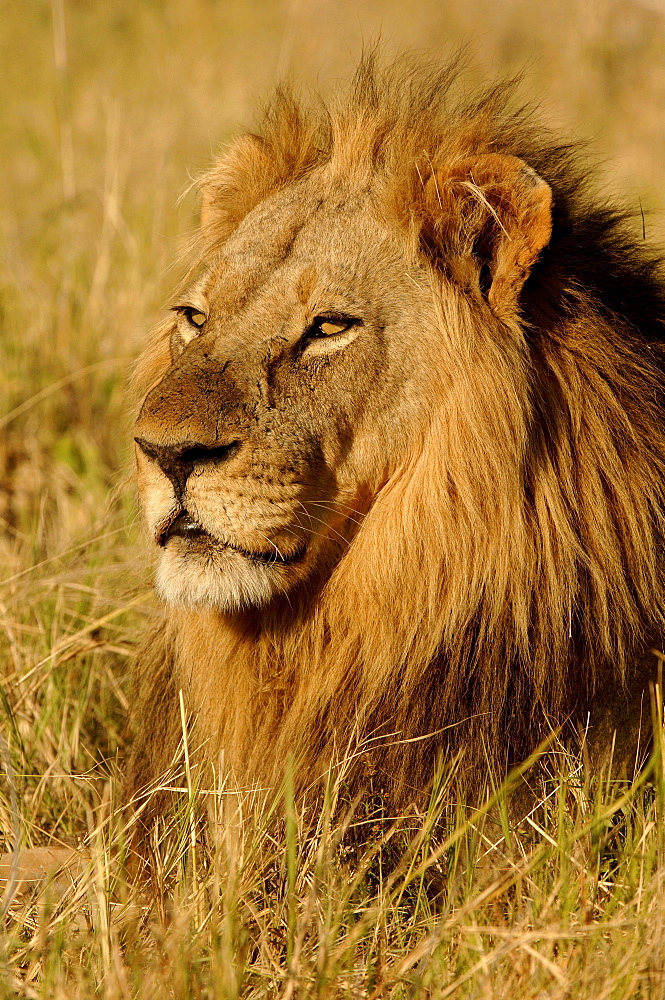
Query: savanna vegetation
(105,108)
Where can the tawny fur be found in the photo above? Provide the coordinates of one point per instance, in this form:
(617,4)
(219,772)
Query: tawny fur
(508,574)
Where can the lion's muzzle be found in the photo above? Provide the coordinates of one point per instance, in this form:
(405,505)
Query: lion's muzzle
(235,486)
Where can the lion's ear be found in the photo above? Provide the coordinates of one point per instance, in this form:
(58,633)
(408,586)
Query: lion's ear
(494,211)
(240,178)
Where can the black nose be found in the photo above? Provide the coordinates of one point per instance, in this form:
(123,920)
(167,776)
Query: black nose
(177,461)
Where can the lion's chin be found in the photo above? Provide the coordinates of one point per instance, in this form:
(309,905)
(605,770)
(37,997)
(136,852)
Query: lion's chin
(222,578)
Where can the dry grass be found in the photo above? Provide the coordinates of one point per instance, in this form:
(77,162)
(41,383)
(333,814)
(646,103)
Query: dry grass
(567,902)
(104,108)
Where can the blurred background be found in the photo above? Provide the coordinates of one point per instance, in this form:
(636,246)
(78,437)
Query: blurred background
(106,109)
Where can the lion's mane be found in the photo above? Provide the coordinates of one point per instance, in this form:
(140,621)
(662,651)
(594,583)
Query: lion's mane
(512,576)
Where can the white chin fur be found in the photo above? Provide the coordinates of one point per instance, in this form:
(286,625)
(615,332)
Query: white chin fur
(227,581)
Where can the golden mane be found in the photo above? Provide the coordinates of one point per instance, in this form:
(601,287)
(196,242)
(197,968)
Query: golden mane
(509,575)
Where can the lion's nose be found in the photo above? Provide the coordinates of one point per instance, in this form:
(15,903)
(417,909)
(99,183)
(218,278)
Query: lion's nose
(177,461)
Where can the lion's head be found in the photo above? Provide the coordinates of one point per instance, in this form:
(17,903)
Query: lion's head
(401,444)
(312,351)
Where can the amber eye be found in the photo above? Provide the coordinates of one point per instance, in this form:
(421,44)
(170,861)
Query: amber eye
(325,327)
(193,316)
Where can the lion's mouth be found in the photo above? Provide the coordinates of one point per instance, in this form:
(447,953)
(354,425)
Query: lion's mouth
(183,525)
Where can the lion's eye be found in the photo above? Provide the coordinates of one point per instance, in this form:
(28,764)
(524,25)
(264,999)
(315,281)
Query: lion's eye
(327,334)
(193,316)
(323,327)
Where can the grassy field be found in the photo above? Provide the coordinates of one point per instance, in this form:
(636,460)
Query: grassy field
(105,107)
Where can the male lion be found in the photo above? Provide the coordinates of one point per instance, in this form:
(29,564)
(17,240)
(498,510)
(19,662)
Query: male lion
(401,448)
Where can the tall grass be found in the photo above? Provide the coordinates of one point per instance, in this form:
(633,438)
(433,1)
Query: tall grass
(349,902)
(104,109)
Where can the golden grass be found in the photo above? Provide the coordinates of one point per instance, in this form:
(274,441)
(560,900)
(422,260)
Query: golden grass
(566,902)
(104,109)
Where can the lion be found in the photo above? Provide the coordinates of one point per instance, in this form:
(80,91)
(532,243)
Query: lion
(400,447)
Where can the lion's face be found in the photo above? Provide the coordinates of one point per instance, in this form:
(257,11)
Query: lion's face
(296,369)
(312,354)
